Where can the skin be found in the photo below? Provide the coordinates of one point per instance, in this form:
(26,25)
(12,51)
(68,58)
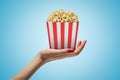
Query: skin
(45,56)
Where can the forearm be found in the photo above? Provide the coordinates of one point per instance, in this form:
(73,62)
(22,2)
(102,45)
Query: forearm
(29,69)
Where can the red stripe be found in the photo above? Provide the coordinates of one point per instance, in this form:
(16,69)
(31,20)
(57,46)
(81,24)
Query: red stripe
(55,35)
(69,34)
(48,34)
(76,35)
(62,35)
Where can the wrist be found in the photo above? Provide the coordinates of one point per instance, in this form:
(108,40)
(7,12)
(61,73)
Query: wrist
(39,59)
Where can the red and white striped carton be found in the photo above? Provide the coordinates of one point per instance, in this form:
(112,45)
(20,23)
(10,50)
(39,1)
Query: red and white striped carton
(62,35)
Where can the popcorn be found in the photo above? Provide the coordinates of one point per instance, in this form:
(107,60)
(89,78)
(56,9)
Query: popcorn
(62,16)
(62,28)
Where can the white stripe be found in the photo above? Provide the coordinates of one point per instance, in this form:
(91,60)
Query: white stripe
(51,34)
(66,35)
(73,34)
(59,35)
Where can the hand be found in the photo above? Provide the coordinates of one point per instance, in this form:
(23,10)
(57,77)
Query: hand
(55,54)
(46,56)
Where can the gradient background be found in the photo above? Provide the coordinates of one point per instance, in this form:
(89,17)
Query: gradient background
(23,34)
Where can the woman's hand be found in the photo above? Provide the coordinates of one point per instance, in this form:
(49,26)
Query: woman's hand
(55,54)
(46,56)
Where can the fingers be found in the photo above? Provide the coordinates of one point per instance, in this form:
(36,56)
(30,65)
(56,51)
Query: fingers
(80,47)
(58,52)
(79,43)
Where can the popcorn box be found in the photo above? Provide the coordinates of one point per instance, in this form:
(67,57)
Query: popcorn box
(62,35)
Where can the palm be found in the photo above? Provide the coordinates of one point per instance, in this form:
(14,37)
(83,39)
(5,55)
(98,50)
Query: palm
(54,54)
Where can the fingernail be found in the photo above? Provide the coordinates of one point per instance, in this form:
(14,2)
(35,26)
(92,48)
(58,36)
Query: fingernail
(70,51)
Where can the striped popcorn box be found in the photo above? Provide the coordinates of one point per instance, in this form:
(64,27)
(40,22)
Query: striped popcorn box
(62,35)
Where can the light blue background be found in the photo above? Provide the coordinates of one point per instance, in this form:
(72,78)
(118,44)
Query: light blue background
(23,34)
